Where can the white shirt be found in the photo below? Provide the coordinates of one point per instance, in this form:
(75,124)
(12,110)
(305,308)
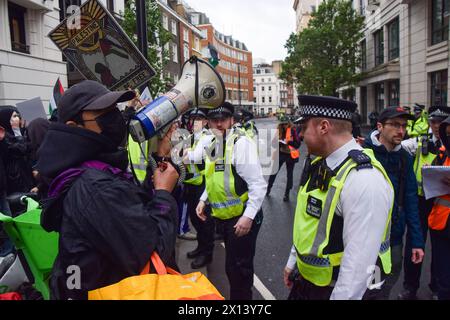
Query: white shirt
(411,145)
(364,204)
(245,160)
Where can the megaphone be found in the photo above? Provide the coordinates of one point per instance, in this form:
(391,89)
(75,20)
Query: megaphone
(200,84)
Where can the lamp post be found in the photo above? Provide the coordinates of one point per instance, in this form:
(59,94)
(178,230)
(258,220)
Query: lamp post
(239,84)
(141,27)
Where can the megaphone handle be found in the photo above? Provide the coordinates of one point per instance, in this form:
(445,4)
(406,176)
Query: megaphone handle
(196,83)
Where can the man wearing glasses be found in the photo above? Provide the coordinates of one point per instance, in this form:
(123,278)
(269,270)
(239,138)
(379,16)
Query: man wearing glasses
(386,145)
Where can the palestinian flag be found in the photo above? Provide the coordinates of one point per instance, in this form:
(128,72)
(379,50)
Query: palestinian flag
(58,91)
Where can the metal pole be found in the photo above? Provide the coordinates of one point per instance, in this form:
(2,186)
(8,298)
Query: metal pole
(141,27)
(239,83)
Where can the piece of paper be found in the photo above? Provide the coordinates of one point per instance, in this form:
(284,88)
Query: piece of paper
(31,109)
(433,181)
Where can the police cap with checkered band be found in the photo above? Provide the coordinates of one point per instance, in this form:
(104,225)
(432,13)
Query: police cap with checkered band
(325,107)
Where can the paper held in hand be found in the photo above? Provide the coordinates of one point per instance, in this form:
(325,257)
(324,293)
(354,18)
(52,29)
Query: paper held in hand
(433,181)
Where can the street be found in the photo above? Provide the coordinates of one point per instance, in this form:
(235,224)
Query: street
(274,243)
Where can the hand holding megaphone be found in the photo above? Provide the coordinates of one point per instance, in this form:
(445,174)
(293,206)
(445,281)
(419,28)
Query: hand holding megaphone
(200,84)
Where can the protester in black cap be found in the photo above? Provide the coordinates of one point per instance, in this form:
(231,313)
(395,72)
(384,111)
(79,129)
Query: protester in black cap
(386,145)
(424,149)
(107,225)
(343,209)
(235,190)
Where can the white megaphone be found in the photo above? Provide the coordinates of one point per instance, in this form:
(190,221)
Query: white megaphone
(200,84)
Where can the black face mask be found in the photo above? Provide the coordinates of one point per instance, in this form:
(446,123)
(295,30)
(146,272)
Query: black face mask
(113,126)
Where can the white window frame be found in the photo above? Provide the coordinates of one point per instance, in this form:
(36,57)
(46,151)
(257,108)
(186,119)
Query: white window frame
(174,52)
(173,27)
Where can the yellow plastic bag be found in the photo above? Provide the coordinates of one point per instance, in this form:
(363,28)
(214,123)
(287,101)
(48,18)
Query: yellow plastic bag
(166,284)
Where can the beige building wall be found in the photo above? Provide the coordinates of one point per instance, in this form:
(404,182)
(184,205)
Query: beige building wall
(417,57)
(303,10)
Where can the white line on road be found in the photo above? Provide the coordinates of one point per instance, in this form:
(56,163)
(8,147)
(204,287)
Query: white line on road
(257,283)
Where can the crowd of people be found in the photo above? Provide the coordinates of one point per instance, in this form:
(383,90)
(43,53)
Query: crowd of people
(114,201)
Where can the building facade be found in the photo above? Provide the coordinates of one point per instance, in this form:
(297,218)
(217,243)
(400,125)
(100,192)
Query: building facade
(235,65)
(405,54)
(303,10)
(271,94)
(30,63)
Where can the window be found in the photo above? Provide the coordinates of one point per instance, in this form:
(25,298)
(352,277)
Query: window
(270,99)
(394,39)
(110,6)
(313,9)
(197,44)
(165,22)
(379,96)
(16,15)
(186,52)
(263,99)
(270,110)
(262,80)
(258,71)
(254,88)
(262,88)
(174,27)
(439,87)
(379,47)
(439,21)
(363,104)
(363,55)
(270,88)
(362,7)
(186,35)
(174,52)
(394,93)
(254,100)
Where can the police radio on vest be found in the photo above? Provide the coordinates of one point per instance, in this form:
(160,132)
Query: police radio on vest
(200,84)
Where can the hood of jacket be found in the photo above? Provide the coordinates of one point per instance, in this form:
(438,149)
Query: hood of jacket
(66,147)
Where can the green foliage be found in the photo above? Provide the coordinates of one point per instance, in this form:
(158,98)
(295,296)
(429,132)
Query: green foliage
(325,55)
(157,38)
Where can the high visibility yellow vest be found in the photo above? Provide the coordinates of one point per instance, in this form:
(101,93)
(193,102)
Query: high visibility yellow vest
(420,126)
(137,158)
(195,171)
(221,181)
(314,220)
(420,161)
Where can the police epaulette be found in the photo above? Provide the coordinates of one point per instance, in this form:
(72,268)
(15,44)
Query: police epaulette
(361,159)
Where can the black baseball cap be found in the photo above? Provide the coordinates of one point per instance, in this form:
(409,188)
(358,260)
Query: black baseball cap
(89,95)
(394,112)
(226,110)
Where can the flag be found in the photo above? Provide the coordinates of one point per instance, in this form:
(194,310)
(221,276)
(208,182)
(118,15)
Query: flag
(146,96)
(58,91)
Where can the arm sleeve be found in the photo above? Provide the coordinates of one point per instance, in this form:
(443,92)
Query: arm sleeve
(292,260)
(411,207)
(365,202)
(126,225)
(197,155)
(410,145)
(246,161)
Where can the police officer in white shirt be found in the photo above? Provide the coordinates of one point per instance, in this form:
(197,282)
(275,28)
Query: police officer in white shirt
(235,190)
(342,220)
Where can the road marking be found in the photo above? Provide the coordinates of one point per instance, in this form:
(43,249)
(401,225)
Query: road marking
(257,283)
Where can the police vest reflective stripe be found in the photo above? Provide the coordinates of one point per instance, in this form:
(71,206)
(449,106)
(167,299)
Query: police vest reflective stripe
(421,160)
(314,218)
(195,171)
(137,158)
(221,182)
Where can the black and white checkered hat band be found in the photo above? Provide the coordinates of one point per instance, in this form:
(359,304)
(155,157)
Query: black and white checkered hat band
(220,110)
(319,111)
(440,113)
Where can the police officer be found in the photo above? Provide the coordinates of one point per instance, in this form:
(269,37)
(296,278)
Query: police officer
(194,185)
(235,189)
(341,226)
(419,125)
(424,148)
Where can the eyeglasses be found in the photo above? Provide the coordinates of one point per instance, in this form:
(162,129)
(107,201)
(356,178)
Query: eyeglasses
(397,125)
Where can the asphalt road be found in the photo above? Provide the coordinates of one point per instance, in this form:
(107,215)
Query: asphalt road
(274,243)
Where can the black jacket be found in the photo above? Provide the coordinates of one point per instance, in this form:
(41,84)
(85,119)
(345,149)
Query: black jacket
(108,226)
